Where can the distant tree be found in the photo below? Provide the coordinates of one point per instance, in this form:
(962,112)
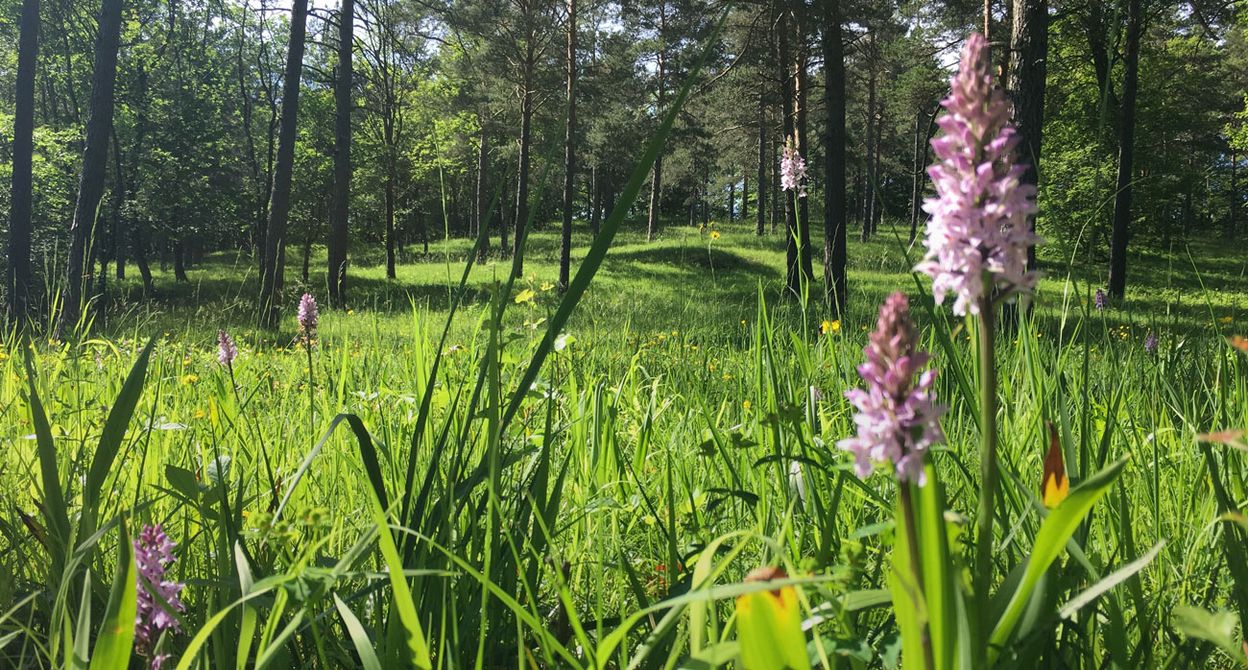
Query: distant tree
(1028,56)
(279,207)
(23,155)
(835,215)
(569,150)
(339,213)
(94,164)
(1126,155)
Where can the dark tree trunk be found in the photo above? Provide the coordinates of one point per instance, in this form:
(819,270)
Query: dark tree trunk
(339,212)
(835,278)
(1232,221)
(116,248)
(1126,155)
(279,207)
(761,205)
(1028,71)
(920,177)
(791,234)
(504,222)
(522,180)
(777,195)
(868,186)
(20,231)
(595,208)
(732,200)
(306,266)
(179,261)
(569,153)
(656,180)
(801,139)
(877,182)
(745,196)
(916,175)
(94,162)
(483,203)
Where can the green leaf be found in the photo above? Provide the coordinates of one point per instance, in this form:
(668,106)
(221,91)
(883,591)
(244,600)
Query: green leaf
(359,637)
(53,496)
(115,428)
(1216,627)
(1051,539)
(116,640)
(401,594)
(1109,581)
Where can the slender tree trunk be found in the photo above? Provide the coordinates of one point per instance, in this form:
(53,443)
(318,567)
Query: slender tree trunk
(1126,155)
(116,248)
(835,217)
(179,261)
(1232,222)
(279,207)
(390,251)
(595,208)
(20,231)
(777,195)
(504,222)
(483,202)
(1028,72)
(761,205)
(868,192)
(732,200)
(339,212)
(656,180)
(801,138)
(569,153)
(94,162)
(877,182)
(745,196)
(791,233)
(522,181)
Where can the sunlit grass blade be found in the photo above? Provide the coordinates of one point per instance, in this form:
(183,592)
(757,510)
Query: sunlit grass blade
(116,639)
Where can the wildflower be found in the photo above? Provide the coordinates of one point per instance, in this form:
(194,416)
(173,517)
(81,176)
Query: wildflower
(746,404)
(546,286)
(714,234)
(153,553)
(897,419)
(226,351)
(793,172)
(189,379)
(1150,343)
(978,232)
(1054,484)
(1226,320)
(307,316)
(525,296)
(1101,301)
(829,327)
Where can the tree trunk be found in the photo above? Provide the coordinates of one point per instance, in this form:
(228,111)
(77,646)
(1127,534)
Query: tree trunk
(777,195)
(745,196)
(1232,214)
(340,210)
(760,206)
(483,203)
(656,180)
(791,234)
(1126,155)
(732,200)
(1028,71)
(179,261)
(868,192)
(835,278)
(801,138)
(94,162)
(522,181)
(116,248)
(279,207)
(569,153)
(877,182)
(20,230)
(595,208)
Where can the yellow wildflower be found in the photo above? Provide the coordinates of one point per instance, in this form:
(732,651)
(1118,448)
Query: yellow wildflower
(525,296)
(746,405)
(190,379)
(714,234)
(830,327)
(546,286)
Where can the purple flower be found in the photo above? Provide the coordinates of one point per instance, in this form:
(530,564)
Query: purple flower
(977,237)
(307,316)
(153,552)
(1101,301)
(1150,343)
(226,351)
(793,172)
(897,418)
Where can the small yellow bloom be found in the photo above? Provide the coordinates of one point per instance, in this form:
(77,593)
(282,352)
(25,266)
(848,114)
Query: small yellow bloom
(199,414)
(546,286)
(1226,320)
(525,296)
(350,312)
(830,327)
(746,405)
(714,234)
(190,379)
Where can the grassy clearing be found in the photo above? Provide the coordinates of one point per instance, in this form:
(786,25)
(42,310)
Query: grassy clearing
(682,435)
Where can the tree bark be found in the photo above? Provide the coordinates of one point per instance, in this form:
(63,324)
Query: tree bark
(1126,155)
(20,231)
(279,207)
(868,194)
(179,261)
(761,205)
(801,138)
(483,202)
(569,154)
(1028,71)
(792,235)
(94,162)
(835,278)
(522,180)
(1232,215)
(656,179)
(340,210)
(595,208)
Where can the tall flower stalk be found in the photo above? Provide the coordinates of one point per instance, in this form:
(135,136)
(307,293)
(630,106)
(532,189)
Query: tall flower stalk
(977,242)
(897,419)
(308,317)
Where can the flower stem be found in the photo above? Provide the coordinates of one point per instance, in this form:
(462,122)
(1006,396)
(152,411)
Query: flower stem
(988,453)
(916,563)
(307,346)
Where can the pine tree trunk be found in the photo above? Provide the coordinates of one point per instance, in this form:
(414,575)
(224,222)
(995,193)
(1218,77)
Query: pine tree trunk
(20,231)
(483,203)
(179,261)
(835,217)
(656,180)
(1126,155)
(868,186)
(761,205)
(732,200)
(801,138)
(569,153)
(595,208)
(745,197)
(339,212)
(791,234)
(94,162)
(279,207)
(522,181)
